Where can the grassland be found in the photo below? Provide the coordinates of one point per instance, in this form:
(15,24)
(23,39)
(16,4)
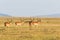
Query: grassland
(48,29)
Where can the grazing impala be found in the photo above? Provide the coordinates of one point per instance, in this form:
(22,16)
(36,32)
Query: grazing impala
(7,24)
(18,23)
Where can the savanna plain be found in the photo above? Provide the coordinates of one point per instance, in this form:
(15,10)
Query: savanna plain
(29,28)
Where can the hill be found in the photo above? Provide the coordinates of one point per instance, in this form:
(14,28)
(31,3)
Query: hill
(4,15)
(50,15)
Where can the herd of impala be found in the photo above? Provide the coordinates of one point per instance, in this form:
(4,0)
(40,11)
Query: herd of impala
(20,23)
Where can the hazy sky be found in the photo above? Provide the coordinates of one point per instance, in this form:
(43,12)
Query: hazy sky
(29,7)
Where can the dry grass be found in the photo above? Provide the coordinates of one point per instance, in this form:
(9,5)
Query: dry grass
(44,31)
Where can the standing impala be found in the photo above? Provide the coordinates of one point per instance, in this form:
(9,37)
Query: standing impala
(18,23)
(7,24)
(35,23)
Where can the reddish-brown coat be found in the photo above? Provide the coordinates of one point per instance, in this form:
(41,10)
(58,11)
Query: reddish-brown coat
(34,23)
(7,24)
(18,23)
